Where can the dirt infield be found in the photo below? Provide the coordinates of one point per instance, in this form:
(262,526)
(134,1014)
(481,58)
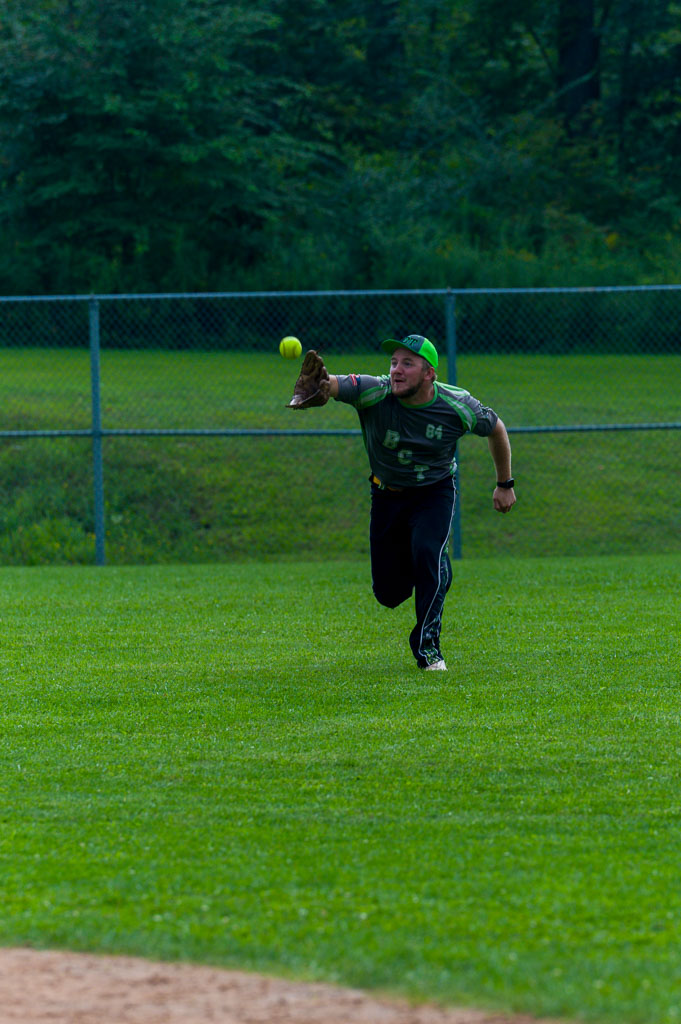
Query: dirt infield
(73,988)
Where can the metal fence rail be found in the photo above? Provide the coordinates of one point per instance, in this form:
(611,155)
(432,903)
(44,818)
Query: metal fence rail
(204,366)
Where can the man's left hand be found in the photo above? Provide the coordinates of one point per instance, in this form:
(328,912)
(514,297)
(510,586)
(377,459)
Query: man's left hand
(504,499)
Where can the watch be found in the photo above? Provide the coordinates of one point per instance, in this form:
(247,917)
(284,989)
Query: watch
(506,484)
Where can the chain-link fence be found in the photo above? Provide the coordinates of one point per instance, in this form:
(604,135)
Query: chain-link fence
(154,428)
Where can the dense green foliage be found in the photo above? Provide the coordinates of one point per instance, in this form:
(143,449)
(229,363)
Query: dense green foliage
(194,145)
(192,499)
(239,765)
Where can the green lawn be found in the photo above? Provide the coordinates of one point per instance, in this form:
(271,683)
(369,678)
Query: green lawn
(238,765)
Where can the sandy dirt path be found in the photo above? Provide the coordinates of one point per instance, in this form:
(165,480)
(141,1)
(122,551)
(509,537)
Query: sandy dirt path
(71,988)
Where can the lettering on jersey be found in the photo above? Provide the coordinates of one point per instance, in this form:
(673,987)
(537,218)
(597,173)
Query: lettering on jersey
(433,431)
(420,473)
(404,456)
(391,439)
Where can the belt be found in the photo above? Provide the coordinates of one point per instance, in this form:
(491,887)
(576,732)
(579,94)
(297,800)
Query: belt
(384,487)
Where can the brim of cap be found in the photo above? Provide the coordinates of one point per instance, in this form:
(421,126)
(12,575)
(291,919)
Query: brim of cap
(389,345)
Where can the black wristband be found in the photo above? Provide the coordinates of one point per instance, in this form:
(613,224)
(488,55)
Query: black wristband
(506,484)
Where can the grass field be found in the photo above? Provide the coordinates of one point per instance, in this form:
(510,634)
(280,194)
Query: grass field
(238,765)
(204,500)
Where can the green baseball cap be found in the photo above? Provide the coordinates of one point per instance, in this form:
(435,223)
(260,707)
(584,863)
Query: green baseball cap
(416,343)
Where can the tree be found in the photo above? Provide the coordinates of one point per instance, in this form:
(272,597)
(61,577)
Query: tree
(194,144)
(578,58)
(140,143)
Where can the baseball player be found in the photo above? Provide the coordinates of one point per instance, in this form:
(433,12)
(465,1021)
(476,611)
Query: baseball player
(411,424)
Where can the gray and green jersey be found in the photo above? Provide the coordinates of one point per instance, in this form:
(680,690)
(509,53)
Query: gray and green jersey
(413,445)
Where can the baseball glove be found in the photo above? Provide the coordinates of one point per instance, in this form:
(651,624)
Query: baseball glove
(312,386)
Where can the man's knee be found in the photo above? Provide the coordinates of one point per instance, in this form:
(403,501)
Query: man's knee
(390,597)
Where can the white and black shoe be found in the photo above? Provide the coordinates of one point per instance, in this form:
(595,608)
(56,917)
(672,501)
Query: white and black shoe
(436,666)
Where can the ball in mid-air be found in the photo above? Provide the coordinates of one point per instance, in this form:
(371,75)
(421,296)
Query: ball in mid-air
(290,347)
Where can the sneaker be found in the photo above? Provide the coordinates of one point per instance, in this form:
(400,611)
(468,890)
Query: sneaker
(437,666)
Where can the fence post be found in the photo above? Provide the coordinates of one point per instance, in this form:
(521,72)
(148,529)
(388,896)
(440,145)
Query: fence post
(450,328)
(97,457)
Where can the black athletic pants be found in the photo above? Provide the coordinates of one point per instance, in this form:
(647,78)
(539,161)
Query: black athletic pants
(409,533)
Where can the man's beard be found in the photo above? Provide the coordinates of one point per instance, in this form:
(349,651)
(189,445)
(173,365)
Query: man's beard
(413,390)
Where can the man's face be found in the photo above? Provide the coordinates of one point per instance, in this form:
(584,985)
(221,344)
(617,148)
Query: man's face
(410,375)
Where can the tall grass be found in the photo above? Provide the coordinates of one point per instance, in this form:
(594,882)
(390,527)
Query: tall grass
(205,499)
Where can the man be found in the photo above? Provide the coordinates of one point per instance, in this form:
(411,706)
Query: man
(411,424)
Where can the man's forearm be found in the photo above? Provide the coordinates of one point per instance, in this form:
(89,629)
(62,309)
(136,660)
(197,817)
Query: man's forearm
(500,450)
